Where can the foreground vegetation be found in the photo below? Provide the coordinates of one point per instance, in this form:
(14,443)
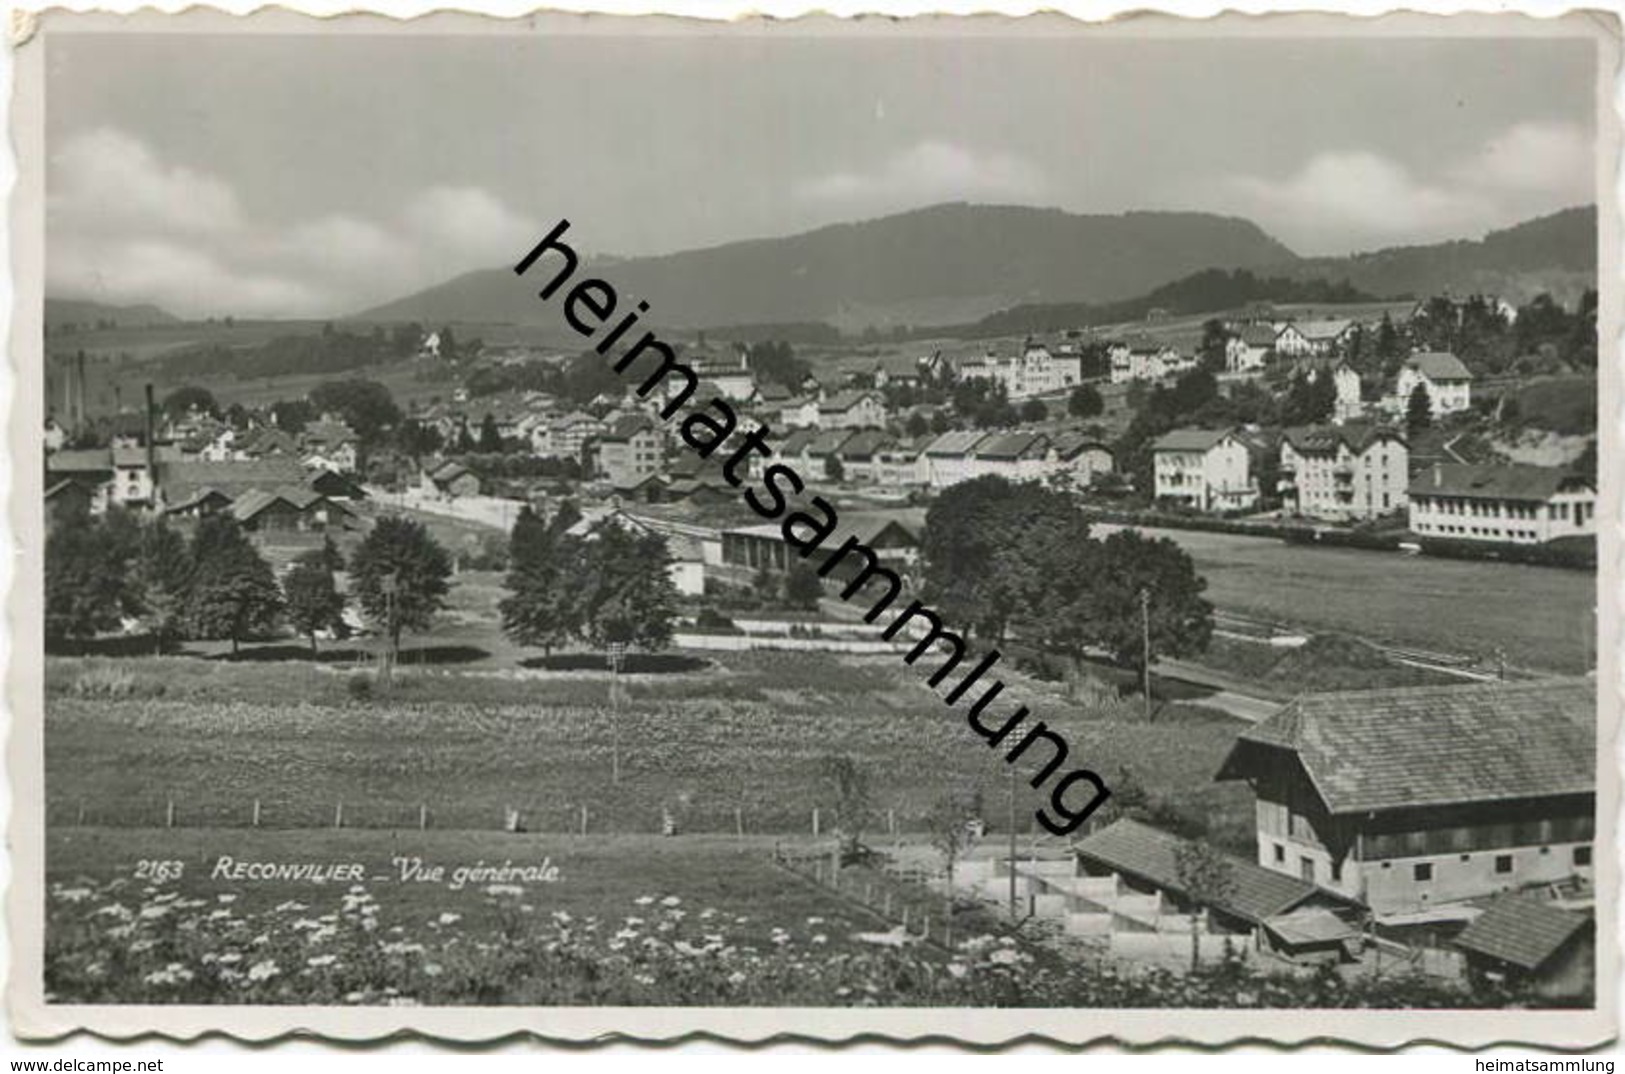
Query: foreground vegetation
(121,942)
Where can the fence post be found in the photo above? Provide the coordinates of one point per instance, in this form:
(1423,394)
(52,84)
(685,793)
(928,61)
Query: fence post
(423,816)
(256,812)
(338,815)
(81,812)
(886,906)
(891,822)
(583,820)
(169,813)
(815,820)
(925,927)
(739,821)
(905,920)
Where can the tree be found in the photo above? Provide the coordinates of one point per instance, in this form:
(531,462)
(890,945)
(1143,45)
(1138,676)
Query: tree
(292,415)
(1207,879)
(834,469)
(490,439)
(1095,599)
(987,547)
(366,406)
(1034,411)
(163,574)
(848,784)
(627,594)
(949,825)
(1210,352)
(543,605)
(400,576)
(181,401)
(916,425)
(233,593)
(87,581)
(1418,410)
(1085,402)
(802,586)
(313,601)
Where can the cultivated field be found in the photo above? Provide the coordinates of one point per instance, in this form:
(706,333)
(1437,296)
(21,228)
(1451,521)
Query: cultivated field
(1543,617)
(739,741)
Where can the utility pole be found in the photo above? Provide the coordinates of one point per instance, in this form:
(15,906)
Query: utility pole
(1145,648)
(617,652)
(1012,844)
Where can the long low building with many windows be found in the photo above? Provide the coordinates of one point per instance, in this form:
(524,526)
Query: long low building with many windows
(1517,504)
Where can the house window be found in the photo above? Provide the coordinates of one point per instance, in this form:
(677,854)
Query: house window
(1422,872)
(1337,872)
(1503,863)
(1466,857)
(1280,853)
(1306,869)
(1582,855)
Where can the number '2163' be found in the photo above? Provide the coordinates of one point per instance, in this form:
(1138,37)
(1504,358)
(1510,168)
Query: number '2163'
(159,871)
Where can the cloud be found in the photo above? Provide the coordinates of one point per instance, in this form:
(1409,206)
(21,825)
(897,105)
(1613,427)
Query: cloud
(930,171)
(1343,200)
(125,226)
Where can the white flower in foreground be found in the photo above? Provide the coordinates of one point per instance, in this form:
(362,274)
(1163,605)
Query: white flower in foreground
(671,900)
(263,971)
(449,918)
(321,960)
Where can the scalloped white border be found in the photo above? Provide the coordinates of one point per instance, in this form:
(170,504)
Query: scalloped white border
(32,1019)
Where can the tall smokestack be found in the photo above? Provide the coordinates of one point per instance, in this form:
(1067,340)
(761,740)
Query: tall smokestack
(79,387)
(152,448)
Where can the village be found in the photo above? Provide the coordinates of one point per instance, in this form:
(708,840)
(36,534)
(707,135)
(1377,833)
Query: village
(1436,821)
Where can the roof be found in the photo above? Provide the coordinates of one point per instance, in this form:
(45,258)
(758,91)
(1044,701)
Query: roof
(1311,924)
(1419,746)
(329,432)
(181,480)
(1520,930)
(1510,482)
(130,456)
(829,441)
(1071,445)
(865,444)
(1258,335)
(627,426)
(1011,445)
(80,461)
(1323,329)
(1190,440)
(843,401)
(955,442)
(796,442)
(1323,439)
(1128,846)
(1439,365)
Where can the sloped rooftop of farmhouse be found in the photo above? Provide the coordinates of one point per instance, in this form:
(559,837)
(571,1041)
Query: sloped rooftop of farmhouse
(1509,482)
(1433,745)
(1520,930)
(1142,851)
(1439,365)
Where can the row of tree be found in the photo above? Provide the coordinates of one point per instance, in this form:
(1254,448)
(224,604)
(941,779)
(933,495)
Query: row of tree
(106,573)
(1007,560)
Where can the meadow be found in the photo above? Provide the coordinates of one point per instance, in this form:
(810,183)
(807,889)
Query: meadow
(740,741)
(1542,617)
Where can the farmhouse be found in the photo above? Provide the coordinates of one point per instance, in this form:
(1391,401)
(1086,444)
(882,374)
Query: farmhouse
(1206,469)
(1249,347)
(451,479)
(947,460)
(290,510)
(1447,381)
(330,444)
(1411,798)
(854,409)
(1520,504)
(1340,473)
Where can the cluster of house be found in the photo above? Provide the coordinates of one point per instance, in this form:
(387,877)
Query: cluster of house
(1448,827)
(1358,472)
(269,480)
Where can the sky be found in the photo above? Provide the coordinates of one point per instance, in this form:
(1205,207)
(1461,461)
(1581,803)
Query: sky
(316,175)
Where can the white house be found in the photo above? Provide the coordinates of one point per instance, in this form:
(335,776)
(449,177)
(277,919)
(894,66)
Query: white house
(1518,504)
(1448,382)
(1339,474)
(1208,469)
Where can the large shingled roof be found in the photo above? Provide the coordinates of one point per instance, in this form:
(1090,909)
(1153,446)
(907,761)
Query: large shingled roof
(1142,851)
(1433,745)
(1503,482)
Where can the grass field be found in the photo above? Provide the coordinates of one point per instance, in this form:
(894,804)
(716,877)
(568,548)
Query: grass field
(1543,617)
(747,733)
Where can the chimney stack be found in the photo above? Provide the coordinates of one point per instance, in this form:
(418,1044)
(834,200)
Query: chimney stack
(79,387)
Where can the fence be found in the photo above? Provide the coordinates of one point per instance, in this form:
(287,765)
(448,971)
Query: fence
(282,811)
